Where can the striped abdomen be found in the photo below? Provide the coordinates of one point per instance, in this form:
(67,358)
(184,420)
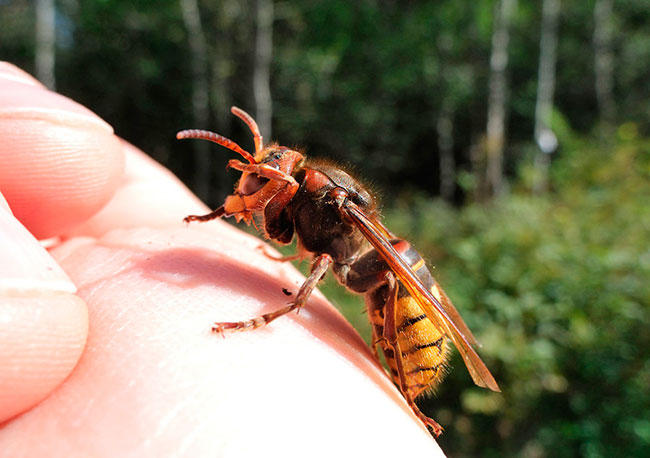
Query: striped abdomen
(423,346)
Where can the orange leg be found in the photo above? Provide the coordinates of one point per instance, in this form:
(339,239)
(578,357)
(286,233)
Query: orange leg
(218,213)
(390,335)
(263,170)
(375,344)
(273,257)
(318,269)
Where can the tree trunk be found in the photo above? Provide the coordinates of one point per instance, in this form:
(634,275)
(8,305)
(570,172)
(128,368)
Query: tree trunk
(544,136)
(496,118)
(198,59)
(262,67)
(223,64)
(45,42)
(445,131)
(604,64)
(221,100)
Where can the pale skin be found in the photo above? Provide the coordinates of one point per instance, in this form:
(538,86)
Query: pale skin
(106,348)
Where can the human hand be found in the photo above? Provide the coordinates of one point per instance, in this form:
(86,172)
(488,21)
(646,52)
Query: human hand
(153,380)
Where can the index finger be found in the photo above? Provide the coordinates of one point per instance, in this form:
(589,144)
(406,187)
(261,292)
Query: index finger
(59,162)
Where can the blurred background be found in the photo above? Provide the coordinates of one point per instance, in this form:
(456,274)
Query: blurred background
(509,141)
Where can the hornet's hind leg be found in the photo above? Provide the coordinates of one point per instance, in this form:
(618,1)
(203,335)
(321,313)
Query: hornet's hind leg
(390,336)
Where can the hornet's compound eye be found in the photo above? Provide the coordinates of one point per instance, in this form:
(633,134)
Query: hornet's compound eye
(273,156)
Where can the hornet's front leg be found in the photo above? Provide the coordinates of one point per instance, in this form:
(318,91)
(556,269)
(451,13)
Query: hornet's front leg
(263,170)
(218,213)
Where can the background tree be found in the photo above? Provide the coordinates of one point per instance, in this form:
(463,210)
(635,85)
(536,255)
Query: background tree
(262,65)
(200,93)
(497,95)
(604,63)
(544,136)
(45,42)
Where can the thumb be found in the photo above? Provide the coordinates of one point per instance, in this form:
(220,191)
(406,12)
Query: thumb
(43,324)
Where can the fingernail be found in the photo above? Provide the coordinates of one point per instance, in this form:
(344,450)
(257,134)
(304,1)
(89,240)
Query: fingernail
(24,264)
(9,72)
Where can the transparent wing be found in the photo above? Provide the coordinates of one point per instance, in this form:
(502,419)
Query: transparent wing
(444,300)
(444,316)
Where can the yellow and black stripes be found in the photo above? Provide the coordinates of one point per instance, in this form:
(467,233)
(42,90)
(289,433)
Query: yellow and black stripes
(438,343)
(423,347)
(410,322)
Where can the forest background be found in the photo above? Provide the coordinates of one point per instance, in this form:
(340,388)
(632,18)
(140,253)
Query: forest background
(508,141)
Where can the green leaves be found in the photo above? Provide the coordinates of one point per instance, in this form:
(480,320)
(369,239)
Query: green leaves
(557,290)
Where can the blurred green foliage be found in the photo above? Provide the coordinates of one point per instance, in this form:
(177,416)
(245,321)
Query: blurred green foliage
(557,290)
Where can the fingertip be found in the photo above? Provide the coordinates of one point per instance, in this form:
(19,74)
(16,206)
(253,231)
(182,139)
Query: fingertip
(11,72)
(44,324)
(59,162)
(42,339)
(3,202)
(25,265)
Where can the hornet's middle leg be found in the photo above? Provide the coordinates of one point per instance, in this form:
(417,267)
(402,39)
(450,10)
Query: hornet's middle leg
(319,268)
